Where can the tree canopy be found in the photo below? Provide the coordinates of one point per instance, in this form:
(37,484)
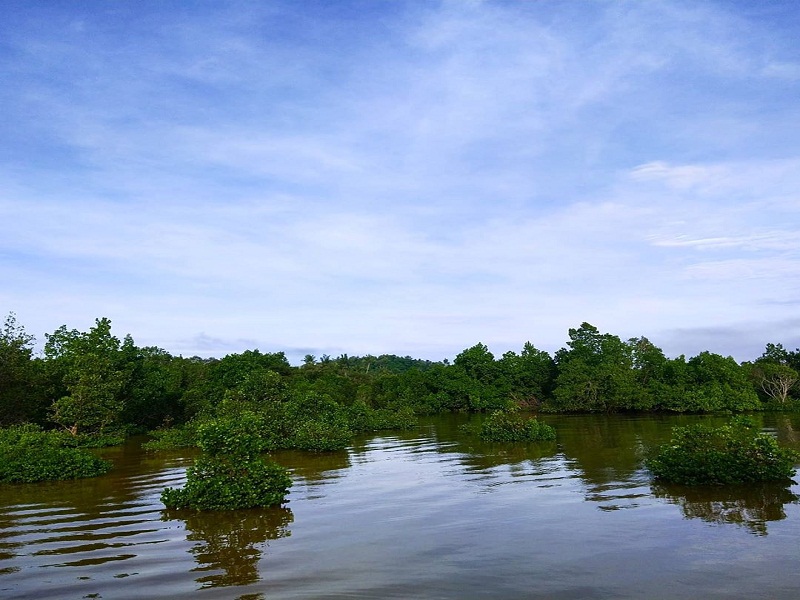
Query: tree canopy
(94,382)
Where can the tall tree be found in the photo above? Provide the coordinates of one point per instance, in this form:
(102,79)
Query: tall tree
(21,397)
(530,375)
(718,383)
(87,367)
(649,366)
(595,372)
(773,374)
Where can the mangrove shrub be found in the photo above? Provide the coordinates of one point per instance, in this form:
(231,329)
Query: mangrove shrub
(28,454)
(508,426)
(733,453)
(230,474)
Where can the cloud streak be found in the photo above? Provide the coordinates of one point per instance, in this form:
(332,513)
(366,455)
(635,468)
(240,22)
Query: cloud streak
(410,179)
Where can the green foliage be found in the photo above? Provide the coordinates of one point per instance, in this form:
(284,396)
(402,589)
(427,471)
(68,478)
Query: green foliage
(230,474)
(28,454)
(595,373)
(309,422)
(775,382)
(85,440)
(235,436)
(22,397)
(321,436)
(183,436)
(478,363)
(233,369)
(529,376)
(508,426)
(152,392)
(212,484)
(364,418)
(719,383)
(733,453)
(91,383)
(86,366)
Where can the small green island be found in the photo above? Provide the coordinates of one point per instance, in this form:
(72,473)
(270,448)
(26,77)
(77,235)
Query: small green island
(732,453)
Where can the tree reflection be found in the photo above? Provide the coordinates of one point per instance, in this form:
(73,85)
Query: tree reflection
(750,506)
(313,466)
(229,544)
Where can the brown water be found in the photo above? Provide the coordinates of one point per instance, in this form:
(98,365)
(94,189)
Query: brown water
(430,514)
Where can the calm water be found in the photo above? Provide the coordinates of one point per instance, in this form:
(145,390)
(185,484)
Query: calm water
(425,514)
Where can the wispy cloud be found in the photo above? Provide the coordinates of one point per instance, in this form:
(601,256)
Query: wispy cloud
(412,178)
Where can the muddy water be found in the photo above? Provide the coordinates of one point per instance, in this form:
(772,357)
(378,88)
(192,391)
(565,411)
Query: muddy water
(426,514)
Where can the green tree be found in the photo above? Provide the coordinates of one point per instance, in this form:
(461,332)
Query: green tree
(650,371)
(530,375)
(718,383)
(21,395)
(87,366)
(774,375)
(774,381)
(478,363)
(152,392)
(595,373)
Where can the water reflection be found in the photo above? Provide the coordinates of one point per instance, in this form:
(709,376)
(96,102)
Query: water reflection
(787,428)
(427,513)
(749,506)
(229,544)
(478,455)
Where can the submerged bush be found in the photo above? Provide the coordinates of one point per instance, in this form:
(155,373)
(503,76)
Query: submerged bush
(363,418)
(321,436)
(313,423)
(230,474)
(733,453)
(508,426)
(91,440)
(213,484)
(28,454)
(183,436)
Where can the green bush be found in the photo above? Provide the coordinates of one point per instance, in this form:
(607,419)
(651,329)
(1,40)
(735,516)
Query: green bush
(363,418)
(28,454)
(214,484)
(184,436)
(321,436)
(230,474)
(733,453)
(91,440)
(508,426)
(289,425)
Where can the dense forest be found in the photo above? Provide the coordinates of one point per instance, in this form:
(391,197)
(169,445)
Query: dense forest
(93,382)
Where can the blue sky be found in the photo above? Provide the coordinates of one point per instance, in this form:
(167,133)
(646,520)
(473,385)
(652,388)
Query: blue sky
(402,177)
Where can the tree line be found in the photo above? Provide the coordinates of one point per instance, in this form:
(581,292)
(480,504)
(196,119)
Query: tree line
(94,382)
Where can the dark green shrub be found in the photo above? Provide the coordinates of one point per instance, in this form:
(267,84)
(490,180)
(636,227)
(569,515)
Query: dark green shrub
(365,418)
(184,436)
(508,426)
(321,436)
(28,454)
(230,474)
(384,419)
(733,453)
(235,437)
(91,440)
(214,484)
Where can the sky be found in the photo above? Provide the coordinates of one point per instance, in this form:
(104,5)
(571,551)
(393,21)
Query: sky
(404,177)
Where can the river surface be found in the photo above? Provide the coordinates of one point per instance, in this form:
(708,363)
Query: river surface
(429,514)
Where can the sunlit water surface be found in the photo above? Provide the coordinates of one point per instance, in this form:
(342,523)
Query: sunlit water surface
(429,514)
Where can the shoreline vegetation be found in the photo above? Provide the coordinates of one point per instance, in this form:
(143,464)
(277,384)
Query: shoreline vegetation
(92,389)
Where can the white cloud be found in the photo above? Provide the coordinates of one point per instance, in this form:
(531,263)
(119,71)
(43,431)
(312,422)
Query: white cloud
(468,173)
